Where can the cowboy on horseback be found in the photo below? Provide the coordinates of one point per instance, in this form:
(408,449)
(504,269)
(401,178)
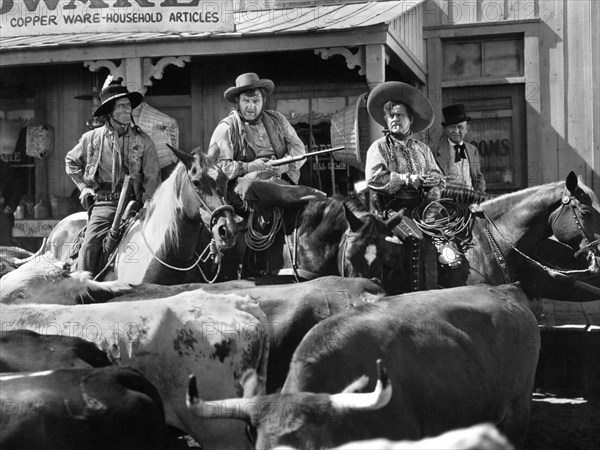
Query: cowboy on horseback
(100,162)
(250,138)
(401,172)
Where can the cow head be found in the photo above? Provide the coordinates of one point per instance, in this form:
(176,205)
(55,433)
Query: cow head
(302,420)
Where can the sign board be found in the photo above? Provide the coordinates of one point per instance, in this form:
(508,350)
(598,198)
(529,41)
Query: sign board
(33,228)
(43,17)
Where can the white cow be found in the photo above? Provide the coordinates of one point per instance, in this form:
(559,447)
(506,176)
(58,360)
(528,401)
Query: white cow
(484,436)
(44,279)
(215,336)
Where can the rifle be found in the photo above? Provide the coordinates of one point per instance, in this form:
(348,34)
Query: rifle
(291,159)
(113,235)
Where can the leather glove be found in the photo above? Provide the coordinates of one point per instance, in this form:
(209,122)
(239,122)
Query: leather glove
(278,171)
(258,165)
(86,197)
(431,180)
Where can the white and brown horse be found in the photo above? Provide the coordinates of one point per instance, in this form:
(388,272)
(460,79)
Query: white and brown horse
(160,246)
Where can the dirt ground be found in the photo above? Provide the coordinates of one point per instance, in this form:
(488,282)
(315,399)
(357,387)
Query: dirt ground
(564,420)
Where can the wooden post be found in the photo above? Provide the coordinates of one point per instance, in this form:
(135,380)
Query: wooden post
(375,68)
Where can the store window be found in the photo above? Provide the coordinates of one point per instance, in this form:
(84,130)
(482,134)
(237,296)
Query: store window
(497,129)
(497,111)
(494,57)
(311,118)
(15,115)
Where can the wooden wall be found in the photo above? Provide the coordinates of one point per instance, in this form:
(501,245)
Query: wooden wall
(67,116)
(563,103)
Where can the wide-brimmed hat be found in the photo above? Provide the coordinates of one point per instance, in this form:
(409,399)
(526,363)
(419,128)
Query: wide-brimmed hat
(245,82)
(397,91)
(114,92)
(454,114)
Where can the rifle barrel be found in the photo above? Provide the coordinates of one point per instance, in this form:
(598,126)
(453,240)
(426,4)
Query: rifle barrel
(290,159)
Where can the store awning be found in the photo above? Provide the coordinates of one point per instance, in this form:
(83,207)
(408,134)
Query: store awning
(283,29)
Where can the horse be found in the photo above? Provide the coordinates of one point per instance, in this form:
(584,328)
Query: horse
(160,245)
(311,241)
(505,231)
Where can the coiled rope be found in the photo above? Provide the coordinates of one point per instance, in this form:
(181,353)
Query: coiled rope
(455,220)
(257,241)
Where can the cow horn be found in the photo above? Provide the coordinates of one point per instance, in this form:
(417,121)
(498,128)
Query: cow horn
(367,401)
(232,408)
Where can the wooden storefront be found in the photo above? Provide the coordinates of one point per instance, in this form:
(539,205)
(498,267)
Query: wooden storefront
(319,60)
(529,75)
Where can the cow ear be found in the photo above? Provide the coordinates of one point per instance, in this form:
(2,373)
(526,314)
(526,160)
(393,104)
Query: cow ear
(572,182)
(253,384)
(186,158)
(354,222)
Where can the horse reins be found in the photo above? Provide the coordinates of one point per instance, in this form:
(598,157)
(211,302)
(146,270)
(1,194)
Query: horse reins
(212,248)
(527,257)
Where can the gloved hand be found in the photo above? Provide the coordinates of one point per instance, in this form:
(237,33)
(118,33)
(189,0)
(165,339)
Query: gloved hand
(86,197)
(258,165)
(278,171)
(431,180)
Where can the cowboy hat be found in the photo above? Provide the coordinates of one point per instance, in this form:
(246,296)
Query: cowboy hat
(454,114)
(114,92)
(245,82)
(400,92)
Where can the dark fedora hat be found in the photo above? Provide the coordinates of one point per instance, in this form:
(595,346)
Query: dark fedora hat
(400,92)
(114,92)
(454,114)
(245,82)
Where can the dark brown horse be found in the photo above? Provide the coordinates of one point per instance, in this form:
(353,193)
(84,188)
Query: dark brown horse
(507,231)
(160,246)
(312,241)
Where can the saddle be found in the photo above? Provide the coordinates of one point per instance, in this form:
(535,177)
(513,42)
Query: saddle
(276,193)
(111,241)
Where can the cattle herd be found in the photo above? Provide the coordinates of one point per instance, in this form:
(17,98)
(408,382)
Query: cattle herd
(328,363)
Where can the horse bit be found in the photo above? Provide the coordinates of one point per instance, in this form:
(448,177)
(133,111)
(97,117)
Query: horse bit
(212,250)
(585,239)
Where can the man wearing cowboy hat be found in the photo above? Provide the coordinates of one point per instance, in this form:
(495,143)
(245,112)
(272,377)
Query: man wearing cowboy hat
(401,171)
(458,159)
(100,161)
(250,137)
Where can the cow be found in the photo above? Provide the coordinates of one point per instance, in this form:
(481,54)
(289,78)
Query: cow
(484,436)
(45,278)
(27,351)
(291,309)
(12,257)
(93,408)
(165,339)
(456,357)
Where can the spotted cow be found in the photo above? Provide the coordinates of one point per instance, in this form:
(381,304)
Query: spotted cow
(217,336)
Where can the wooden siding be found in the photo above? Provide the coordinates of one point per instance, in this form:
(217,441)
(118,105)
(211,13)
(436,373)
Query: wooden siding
(562,74)
(409,30)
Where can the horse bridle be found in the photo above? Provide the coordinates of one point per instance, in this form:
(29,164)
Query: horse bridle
(211,250)
(567,200)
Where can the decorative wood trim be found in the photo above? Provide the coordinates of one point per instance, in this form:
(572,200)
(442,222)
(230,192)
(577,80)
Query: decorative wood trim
(156,71)
(352,59)
(149,71)
(118,72)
